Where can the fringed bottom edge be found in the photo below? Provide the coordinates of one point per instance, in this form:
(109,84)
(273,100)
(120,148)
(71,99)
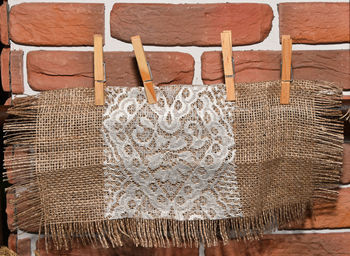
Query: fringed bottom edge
(328,142)
(171,233)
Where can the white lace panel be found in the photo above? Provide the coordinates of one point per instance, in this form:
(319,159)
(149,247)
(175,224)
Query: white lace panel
(173,159)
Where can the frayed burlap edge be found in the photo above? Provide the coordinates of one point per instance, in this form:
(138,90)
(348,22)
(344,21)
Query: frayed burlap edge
(172,233)
(20,133)
(329,140)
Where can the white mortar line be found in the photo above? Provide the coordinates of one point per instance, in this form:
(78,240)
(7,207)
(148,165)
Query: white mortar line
(201,250)
(311,231)
(344,186)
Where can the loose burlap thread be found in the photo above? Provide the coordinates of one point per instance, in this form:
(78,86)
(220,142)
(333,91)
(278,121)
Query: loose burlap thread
(287,158)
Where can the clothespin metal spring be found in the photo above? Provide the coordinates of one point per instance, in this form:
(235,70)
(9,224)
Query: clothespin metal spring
(233,69)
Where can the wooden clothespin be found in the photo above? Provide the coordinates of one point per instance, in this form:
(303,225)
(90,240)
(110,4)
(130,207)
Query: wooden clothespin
(144,69)
(99,70)
(226,44)
(286,77)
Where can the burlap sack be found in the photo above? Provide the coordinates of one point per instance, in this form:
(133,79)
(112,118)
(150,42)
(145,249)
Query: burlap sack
(192,168)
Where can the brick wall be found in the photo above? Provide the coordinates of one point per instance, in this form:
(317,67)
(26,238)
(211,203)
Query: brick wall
(49,46)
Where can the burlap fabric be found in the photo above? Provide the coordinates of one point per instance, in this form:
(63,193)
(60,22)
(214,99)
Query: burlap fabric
(192,168)
(4,251)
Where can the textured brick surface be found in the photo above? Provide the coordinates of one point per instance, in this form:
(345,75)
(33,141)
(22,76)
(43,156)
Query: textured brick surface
(56,23)
(10,210)
(332,215)
(127,250)
(5,69)
(10,153)
(24,247)
(254,66)
(287,245)
(345,179)
(49,70)
(191,24)
(16,71)
(315,23)
(12,241)
(12,64)
(4,31)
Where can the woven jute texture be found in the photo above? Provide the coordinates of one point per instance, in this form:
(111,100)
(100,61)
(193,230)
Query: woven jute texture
(190,169)
(4,251)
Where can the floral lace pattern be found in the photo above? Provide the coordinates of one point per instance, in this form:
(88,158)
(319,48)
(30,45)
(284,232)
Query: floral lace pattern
(173,159)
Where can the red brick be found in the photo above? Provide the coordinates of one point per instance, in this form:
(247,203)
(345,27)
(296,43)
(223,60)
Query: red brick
(4,30)
(24,247)
(56,24)
(315,23)
(10,210)
(126,250)
(16,67)
(330,215)
(8,102)
(49,70)
(345,179)
(191,24)
(12,63)
(12,242)
(12,154)
(254,66)
(287,245)
(5,69)
(8,155)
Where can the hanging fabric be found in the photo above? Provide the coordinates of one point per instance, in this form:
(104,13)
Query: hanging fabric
(192,168)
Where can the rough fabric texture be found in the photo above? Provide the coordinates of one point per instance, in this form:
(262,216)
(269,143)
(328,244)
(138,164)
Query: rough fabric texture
(192,168)
(4,251)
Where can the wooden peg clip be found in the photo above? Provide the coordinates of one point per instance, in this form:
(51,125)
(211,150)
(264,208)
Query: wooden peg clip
(99,70)
(144,69)
(226,44)
(286,77)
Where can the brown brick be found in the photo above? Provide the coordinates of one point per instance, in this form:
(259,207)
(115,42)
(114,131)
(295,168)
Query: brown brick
(12,242)
(315,23)
(12,63)
(8,102)
(254,66)
(10,155)
(56,23)
(49,70)
(16,67)
(191,24)
(24,247)
(127,250)
(10,210)
(287,245)
(4,30)
(5,69)
(332,215)
(345,179)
